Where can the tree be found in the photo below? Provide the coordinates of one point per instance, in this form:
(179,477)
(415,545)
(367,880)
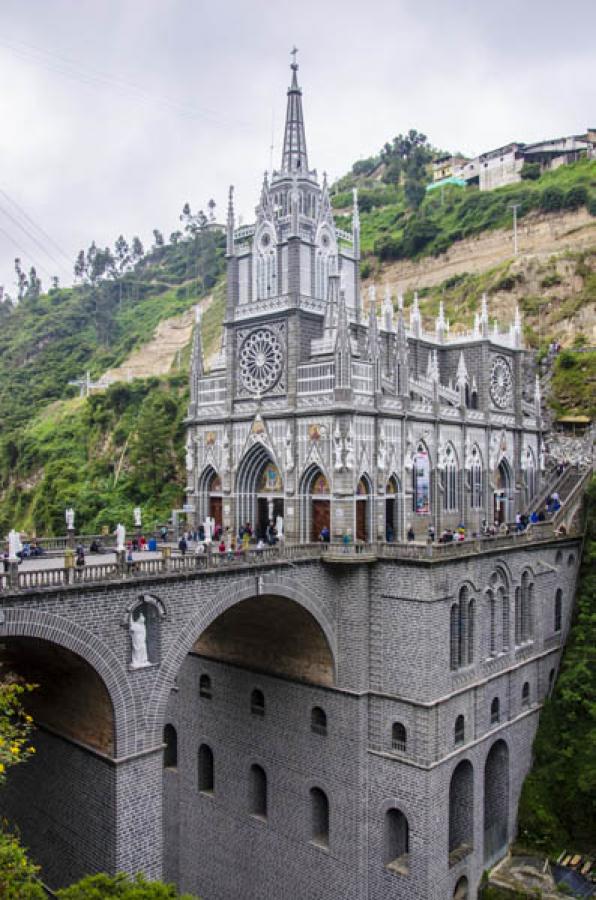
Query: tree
(137,250)
(122,253)
(152,451)
(55,282)
(158,238)
(22,283)
(212,204)
(175,237)
(80,266)
(34,286)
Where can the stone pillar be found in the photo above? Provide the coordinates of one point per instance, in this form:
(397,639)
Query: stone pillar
(13,573)
(138,815)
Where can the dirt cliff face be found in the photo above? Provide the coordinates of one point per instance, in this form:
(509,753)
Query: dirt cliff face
(552,279)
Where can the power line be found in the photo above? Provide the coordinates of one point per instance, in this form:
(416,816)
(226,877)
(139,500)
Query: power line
(34,239)
(41,230)
(25,253)
(73,69)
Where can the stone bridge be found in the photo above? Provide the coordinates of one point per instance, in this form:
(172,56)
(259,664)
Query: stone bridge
(369,627)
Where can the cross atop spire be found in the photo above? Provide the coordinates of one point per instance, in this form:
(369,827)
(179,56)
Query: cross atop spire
(294,158)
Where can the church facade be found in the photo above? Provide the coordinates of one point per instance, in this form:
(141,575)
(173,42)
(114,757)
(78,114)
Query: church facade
(341,419)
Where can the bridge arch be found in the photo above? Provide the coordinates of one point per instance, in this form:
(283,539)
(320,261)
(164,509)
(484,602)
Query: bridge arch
(226,598)
(68,635)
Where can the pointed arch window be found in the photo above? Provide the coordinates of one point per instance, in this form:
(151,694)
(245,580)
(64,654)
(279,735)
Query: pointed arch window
(170,752)
(421,479)
(266,267)
(476,499)
(450,496)
(459,731)
(495,712)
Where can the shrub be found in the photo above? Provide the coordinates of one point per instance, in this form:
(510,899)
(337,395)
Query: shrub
(418,233)
(550,280)
(591,204)
(552,199)
(365,268)
(388,246)
(530,171)
(18,876)
(575,197)
(123,887)
(364,166)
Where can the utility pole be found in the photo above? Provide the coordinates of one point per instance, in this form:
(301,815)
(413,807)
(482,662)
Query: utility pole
(515,207)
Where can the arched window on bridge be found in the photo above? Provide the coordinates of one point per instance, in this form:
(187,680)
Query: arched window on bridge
(258,792)
(206,770)
(397,841)
(318,721)
(257,703)
(170,753)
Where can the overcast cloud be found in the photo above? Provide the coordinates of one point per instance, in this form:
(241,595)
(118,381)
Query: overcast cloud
(113,113)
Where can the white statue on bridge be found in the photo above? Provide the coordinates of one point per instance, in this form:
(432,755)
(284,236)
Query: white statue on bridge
(138,636)
(279,527)
(120,537)
(137,516)
(69,515)
(209,525)
(14,545)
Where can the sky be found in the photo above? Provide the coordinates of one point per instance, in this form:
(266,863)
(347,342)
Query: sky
(114,113)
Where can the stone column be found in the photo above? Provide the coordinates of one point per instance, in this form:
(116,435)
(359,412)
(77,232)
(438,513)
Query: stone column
(138,835)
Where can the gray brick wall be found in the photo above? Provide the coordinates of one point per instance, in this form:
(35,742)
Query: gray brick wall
(388,626)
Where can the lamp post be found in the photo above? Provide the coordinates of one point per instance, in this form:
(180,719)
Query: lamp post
(514,207)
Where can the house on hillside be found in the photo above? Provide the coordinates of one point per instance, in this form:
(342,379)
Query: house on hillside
(504,165)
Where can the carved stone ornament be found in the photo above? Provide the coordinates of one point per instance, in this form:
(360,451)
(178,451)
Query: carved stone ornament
(261,359)
(501,383)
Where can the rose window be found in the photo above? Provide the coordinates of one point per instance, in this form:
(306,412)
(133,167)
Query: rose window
(501,383)
(261,361)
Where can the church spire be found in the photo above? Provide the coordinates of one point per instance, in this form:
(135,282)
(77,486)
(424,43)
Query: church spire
(294,157)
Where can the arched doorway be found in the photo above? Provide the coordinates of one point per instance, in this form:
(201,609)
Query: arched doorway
(210,496)
(392,510)
(315,497)
(364,509)
(502,492)
(461,812)
(496,802)
(259,491)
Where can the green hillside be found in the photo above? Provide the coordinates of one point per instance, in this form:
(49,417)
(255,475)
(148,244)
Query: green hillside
(390,229)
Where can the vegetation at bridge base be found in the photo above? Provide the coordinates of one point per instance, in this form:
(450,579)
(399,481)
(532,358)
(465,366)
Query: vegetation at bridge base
(123,887)
(557,808)
(18,875)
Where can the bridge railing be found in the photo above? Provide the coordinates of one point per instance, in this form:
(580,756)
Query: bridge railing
(211,560)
